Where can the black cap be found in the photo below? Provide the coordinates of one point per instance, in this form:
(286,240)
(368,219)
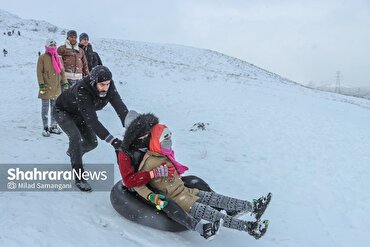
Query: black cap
(84,35)
(100,73)
(71,33)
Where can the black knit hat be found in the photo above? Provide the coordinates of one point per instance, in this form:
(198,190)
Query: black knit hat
(84,35)
(71,33)
(100,73)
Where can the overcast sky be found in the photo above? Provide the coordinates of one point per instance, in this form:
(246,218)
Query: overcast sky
(306,41)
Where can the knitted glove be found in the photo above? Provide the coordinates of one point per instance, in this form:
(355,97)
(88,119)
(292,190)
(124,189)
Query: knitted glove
(42,88)
(162,171)
(116,143)
(65,86)
(158,200)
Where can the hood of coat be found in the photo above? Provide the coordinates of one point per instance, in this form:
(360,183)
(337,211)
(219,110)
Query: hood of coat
(89,46)
(138,127)
(160,138)
(70,46)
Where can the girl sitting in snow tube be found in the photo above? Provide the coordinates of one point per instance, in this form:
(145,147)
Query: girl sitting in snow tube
(161,171)
(170,216)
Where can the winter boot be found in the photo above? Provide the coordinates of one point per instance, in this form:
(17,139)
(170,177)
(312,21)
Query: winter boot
(256,229)
(55,130)
(46,132)
(260,205)
(83,185)
(211,229)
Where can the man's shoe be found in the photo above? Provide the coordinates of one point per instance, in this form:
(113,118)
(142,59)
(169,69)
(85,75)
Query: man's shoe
(55,130)
(83,185)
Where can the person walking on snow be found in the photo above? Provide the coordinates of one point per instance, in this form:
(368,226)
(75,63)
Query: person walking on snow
(92,57)
(5,52)
(51,78)
(75,112)
(74,59)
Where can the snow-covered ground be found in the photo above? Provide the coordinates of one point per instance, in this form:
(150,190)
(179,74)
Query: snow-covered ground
(265,133)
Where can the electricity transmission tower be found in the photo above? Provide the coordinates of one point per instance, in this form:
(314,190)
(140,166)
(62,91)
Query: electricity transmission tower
(337,82)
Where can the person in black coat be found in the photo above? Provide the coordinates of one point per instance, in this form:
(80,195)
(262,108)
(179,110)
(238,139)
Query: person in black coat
(92,57)
(75,112)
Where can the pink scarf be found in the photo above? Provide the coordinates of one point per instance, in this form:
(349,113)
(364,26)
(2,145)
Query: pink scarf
(57,65)
(170,154)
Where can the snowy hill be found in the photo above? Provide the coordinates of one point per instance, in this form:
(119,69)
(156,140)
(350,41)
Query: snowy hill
(265,133)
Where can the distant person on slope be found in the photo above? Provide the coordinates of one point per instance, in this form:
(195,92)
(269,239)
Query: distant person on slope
(51,78)
(5,52)
(75,112)
(92,57)
(74,59)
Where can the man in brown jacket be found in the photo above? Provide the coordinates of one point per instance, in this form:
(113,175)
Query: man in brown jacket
(51,78)
(74,59)
(201,205)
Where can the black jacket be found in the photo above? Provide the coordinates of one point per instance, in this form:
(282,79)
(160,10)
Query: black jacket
(82,101)
(92,57)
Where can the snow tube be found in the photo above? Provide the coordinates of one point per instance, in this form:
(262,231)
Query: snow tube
(134,208)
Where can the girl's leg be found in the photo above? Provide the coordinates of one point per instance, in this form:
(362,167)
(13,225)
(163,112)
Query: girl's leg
(53,122)
(176,213)
(201,211)
(224,202)
(256,229)
(45,112)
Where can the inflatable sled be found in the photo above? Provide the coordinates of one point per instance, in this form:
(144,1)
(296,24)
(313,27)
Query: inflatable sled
(135,208)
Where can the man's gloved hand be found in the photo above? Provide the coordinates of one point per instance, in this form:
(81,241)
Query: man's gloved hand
(116,143)
(158,199)
(162,171)
(42,88)
(65,86)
